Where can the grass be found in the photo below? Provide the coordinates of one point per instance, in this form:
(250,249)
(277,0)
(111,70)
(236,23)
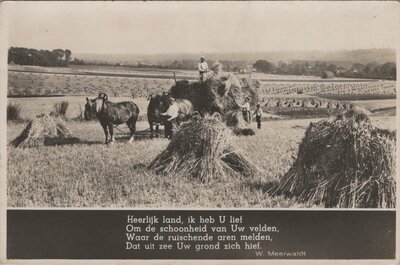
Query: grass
(34,106)
(374,105)
(92,174)
(30,107)
(96,175)
(304,113)
(389,111)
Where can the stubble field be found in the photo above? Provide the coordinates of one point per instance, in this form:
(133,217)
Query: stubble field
(96,175)
(92,174)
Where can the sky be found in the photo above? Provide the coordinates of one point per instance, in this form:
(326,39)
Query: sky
(185,27)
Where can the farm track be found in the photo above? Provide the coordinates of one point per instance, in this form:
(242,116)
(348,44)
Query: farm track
(189,77)
(150,76)
(357,96)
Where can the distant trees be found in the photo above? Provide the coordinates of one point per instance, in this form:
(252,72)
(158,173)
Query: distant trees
(332,68)
(319,68)
(371,70)
(388,70)
(26,56)
(68,54)
(264,66)
(183,64)
(77,62)
(357,70)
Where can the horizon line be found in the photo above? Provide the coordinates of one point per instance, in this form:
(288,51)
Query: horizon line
(230,52)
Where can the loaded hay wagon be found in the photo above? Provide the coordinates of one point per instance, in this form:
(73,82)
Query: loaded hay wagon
(202,148)
(220,94)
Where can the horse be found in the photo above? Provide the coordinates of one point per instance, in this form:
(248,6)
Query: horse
(179,110)
(157,105)
(110,114)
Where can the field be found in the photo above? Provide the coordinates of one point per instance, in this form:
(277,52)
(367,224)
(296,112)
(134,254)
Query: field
(330,87)
(36,105)
(92,174)
(28,81)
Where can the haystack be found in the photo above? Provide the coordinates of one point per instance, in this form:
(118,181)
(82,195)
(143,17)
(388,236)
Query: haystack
(202,148)
(45,129)
(221,94)
(346,162)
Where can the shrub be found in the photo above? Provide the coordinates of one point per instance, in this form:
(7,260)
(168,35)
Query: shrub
(13,112)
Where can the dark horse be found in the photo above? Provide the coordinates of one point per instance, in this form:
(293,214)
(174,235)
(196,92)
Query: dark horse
(110,114)
(158,104)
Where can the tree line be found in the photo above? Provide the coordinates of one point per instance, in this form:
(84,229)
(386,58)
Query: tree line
(62,58)
(357,70)
(27,56)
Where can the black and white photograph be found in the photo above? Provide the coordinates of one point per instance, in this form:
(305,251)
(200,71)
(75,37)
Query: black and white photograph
(246,105)
(185,105)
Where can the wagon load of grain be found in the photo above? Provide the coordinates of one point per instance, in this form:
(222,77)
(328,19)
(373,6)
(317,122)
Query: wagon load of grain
(346,162)
(202,149)
(45,129)
(221,94)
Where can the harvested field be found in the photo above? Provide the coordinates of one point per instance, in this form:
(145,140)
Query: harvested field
(89,175)
(30,107)
(342,87)
(30,80)
(28,83)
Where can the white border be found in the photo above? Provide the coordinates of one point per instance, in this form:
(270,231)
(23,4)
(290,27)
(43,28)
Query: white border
(3,129)
(3,187)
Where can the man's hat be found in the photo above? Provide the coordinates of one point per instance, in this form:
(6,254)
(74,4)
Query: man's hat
(202,57)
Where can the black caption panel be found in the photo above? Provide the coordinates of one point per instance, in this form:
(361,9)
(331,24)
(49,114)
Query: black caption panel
(187,234)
